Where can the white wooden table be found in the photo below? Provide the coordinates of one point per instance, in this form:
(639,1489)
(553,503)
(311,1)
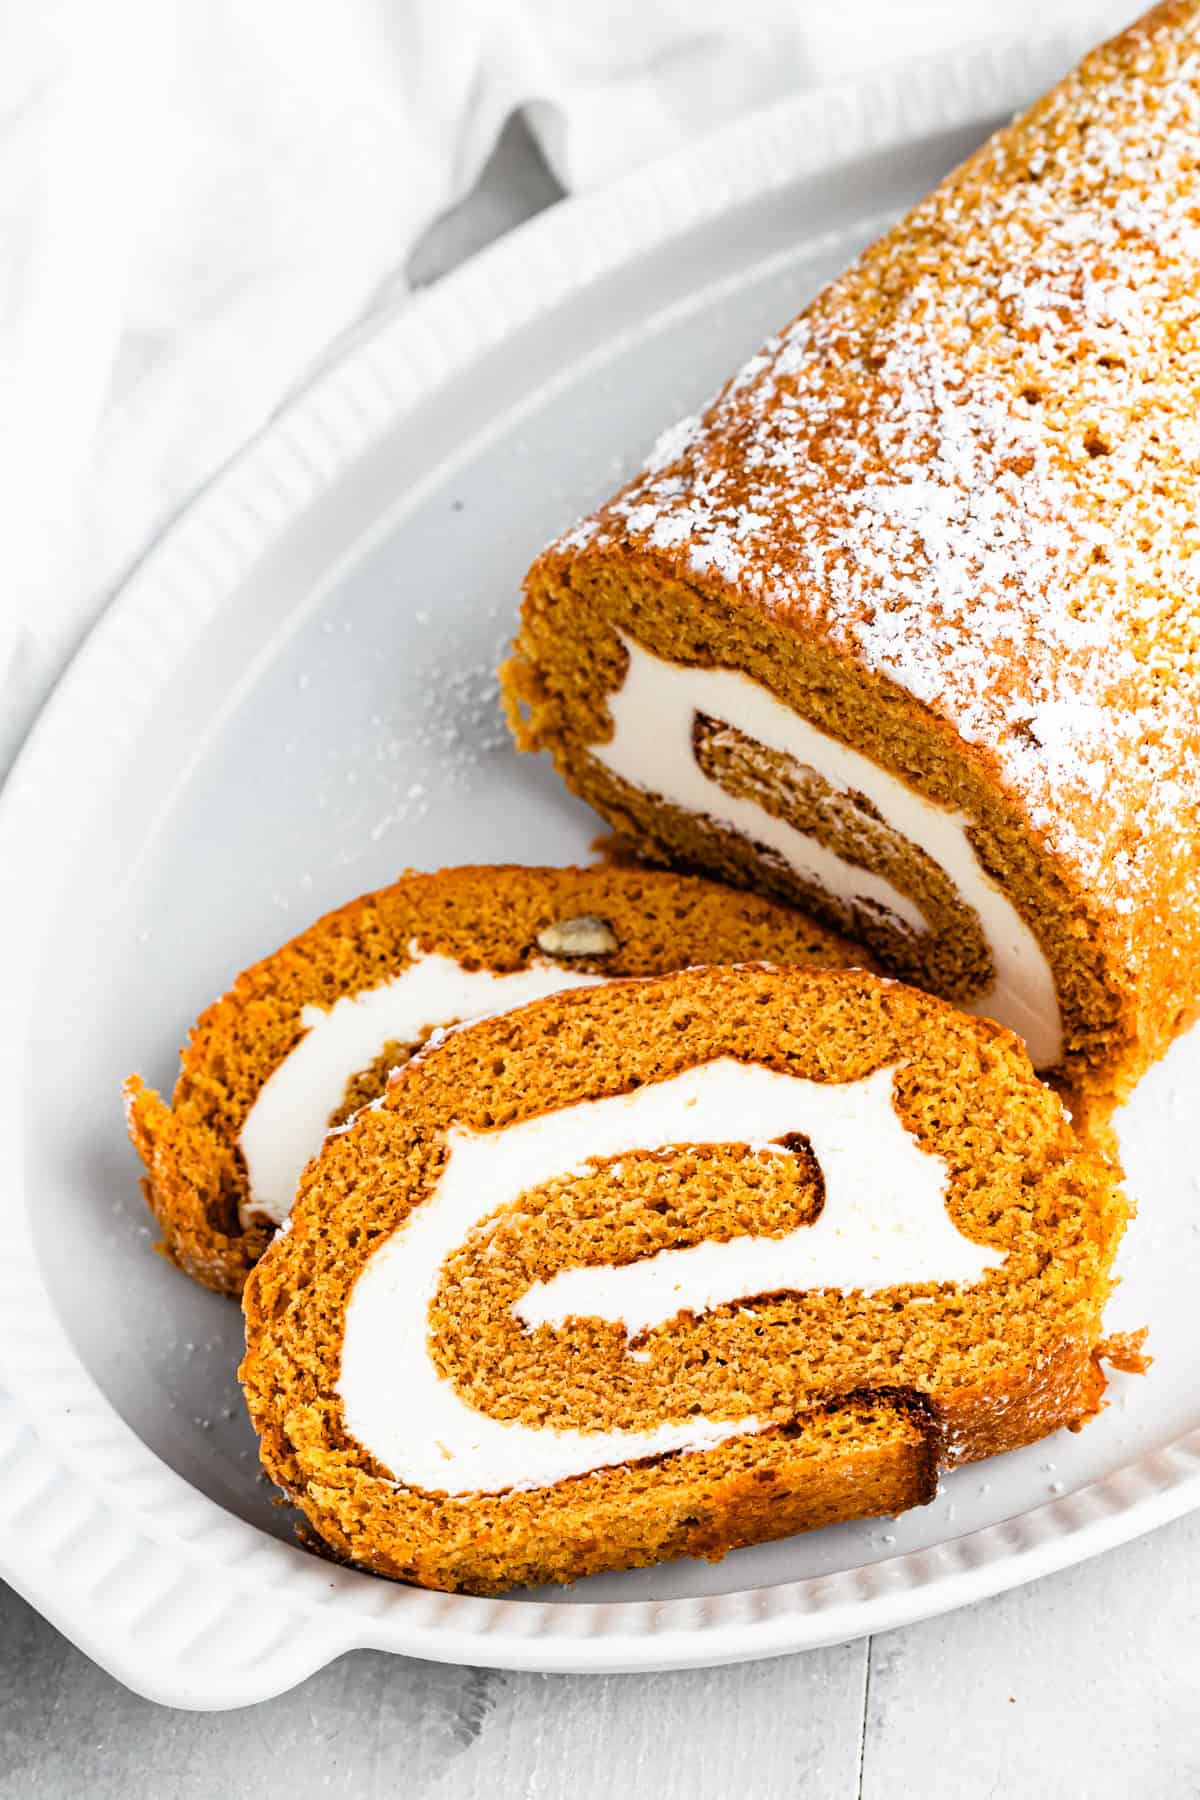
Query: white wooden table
(1083,1687)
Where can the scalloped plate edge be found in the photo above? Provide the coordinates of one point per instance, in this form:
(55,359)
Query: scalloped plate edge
(174,1596)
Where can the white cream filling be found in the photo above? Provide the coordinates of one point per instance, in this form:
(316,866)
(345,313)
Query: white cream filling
(653,713)
(288,1121)
(884,1224)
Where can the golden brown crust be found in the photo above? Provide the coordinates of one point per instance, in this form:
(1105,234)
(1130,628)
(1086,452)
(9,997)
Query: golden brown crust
(487,916)
(750,1491)
(192,1184)
(948,516)
(866,1394)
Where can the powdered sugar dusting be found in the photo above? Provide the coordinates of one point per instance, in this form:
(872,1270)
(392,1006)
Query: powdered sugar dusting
(973,464)
(672,444)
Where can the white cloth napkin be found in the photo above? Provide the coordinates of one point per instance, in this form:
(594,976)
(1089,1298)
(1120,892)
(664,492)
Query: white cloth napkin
(199,197)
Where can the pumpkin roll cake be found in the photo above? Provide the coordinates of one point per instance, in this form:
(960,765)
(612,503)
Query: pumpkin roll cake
(906,625)
(674,1265)
(310,1033)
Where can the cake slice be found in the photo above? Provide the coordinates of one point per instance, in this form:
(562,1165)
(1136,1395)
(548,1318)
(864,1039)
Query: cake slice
(310,1033)
(674,1265)
(906,625)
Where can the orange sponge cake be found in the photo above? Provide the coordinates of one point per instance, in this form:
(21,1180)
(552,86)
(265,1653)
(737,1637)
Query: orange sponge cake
(673,1265)
(907,624)
(310,1033)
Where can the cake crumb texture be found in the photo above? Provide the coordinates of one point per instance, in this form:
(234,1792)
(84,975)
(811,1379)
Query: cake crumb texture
(859,1398)
(948,514)
(624,922)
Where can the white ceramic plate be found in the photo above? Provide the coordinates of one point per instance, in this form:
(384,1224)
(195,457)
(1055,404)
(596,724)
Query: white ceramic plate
(291,701)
